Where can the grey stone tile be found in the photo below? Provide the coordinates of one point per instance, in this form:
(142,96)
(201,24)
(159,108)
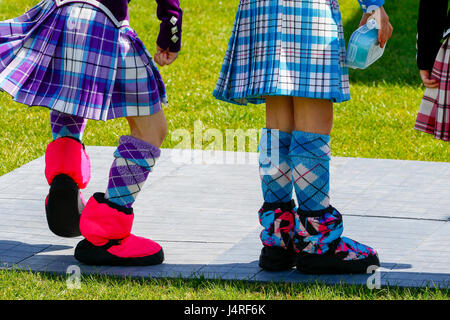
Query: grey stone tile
(290,276)
(205,216)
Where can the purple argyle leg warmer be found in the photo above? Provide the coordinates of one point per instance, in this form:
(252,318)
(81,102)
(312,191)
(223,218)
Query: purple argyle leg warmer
(134,161)
(66,125)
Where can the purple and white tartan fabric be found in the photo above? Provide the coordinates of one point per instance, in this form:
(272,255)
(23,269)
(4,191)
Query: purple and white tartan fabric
(74,60)
(66,125)
(285,47)
(134,160)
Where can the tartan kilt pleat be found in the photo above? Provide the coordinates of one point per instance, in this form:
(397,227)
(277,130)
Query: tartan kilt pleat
(285,47)
(434,112)
(75,60)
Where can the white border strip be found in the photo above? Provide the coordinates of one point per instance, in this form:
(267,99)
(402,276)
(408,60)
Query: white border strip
(98,5)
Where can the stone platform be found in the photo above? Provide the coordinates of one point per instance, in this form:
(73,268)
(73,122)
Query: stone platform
(203,210)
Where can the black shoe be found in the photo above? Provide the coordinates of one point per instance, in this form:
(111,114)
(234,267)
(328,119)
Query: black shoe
(334,264)
(89,254)
(63,207)
(277,258)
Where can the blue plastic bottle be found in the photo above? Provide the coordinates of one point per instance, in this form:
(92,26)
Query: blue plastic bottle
(363,47)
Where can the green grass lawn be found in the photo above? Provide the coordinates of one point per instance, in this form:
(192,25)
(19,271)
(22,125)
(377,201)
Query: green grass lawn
(377,123)
(26,285)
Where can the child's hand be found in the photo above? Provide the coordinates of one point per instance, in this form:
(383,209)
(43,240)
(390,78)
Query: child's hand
(427,80)
(164,57)
(386,29)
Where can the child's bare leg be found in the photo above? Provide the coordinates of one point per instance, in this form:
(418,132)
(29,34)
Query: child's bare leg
(276,214)
(310,155)
(274,149)
(67,169)
(310,152)
(313,115)
(109,216)
(280,113)
(135,157)
(151,129)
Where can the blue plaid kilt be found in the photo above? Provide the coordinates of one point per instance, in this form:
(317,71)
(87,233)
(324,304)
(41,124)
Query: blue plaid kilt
(287,48)
(75,60)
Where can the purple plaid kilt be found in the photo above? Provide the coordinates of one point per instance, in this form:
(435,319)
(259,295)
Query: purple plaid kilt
(434,113)
(73,59)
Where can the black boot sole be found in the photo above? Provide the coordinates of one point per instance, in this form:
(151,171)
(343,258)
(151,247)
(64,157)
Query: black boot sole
(89,254)
(64,207)
(332,264)
(276,259)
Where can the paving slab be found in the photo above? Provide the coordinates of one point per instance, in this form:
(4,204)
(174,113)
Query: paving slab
(202,207)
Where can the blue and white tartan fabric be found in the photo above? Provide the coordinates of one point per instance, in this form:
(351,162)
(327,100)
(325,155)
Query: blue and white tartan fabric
(274,165)
(310,156)
(285,47)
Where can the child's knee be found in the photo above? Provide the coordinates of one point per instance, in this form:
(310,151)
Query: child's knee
(162,132)
(155,135)
(152,129)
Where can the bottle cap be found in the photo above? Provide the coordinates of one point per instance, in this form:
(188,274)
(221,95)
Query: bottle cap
(372,24)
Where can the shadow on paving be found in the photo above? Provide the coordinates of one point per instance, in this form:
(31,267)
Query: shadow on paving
(22,256)
(13,252)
